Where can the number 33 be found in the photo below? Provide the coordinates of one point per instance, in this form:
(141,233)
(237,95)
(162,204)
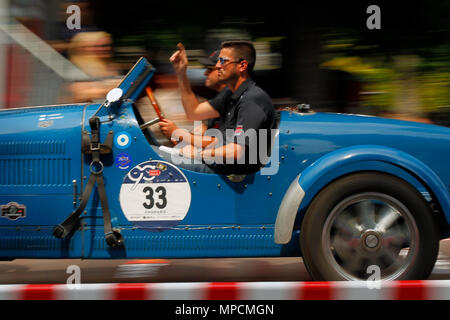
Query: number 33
(151,202)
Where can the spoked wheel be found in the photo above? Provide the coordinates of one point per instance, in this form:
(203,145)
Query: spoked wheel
(366,221)
(370,229)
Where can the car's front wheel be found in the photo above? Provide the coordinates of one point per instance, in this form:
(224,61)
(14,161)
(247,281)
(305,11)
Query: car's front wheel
(369,224)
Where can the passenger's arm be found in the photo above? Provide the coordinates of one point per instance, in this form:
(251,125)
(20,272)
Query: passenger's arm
(193,108)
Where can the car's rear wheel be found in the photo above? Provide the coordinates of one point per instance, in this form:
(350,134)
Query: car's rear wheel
(366,223)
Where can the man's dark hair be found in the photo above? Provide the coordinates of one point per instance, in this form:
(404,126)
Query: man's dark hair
(244,50)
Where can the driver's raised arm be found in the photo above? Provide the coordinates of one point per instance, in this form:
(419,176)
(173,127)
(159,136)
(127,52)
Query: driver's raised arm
(193,108)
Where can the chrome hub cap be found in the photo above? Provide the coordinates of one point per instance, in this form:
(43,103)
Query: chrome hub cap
(370,229)
(371,240)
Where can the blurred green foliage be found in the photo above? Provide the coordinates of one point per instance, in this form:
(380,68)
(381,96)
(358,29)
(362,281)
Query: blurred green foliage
(383,76)
(434,79)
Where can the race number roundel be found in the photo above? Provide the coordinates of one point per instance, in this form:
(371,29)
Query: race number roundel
(155,195)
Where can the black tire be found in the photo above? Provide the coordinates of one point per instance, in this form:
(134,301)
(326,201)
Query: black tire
(368,219)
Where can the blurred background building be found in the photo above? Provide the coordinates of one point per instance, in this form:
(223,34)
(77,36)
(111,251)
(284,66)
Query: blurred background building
(320,53)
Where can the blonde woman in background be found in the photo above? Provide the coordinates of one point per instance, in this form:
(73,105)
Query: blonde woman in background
(92,53)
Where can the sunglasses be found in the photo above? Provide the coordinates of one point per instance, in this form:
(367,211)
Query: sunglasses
(223,61)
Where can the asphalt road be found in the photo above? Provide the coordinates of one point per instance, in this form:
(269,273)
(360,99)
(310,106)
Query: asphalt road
(29,271)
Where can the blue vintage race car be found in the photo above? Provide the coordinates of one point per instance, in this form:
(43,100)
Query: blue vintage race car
(350,194)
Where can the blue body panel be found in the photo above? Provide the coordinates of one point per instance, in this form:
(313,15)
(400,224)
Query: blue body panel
(220,222)
(356,158)
(40,157)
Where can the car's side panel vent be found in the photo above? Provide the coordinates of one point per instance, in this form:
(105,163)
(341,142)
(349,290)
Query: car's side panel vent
(190,246)
(34,164)
(32,147)
(33,245)
(35,172)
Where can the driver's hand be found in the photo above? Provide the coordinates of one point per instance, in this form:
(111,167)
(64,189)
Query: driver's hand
(167,127)
(179,59)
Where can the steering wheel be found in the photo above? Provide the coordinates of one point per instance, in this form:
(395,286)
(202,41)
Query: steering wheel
(155,105)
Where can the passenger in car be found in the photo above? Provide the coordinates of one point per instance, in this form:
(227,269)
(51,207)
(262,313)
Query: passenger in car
(244,108)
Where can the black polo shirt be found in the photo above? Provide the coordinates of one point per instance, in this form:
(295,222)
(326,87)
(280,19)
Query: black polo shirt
(247,109)
(214,123)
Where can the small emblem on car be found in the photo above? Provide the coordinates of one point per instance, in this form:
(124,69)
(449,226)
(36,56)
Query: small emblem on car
(123,161)
(161,166)
(154,173)
(13,211)
(122,140)
(45,123)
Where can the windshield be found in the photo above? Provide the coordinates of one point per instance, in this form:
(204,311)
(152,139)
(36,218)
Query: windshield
(136,79)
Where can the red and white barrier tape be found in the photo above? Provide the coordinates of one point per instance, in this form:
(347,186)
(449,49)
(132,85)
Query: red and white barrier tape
(389,290)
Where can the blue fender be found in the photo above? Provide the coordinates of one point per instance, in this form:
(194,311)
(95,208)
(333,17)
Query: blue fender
(353,156)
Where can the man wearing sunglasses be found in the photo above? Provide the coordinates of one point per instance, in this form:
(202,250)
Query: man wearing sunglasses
(243,107)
